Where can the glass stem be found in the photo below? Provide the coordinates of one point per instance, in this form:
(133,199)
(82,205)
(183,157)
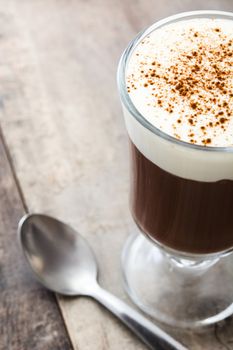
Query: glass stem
(192,266)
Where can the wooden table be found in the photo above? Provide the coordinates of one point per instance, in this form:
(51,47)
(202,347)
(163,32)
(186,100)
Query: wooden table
(63,151)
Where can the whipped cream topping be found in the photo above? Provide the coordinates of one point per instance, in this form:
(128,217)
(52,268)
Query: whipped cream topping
(180,78)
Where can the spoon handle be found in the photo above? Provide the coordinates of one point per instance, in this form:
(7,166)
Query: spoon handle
(149,333)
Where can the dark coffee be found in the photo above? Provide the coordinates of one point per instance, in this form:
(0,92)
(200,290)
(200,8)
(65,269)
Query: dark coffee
(186,215)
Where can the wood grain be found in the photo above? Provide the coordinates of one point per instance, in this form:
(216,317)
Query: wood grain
(63,125)
(29,315)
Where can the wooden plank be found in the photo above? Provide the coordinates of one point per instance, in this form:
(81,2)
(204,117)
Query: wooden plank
(62,121)
(29,315)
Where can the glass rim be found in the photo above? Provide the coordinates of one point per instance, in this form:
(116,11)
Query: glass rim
(121,81)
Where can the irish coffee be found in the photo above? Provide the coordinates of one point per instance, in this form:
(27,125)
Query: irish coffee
(180,83)
(176,86)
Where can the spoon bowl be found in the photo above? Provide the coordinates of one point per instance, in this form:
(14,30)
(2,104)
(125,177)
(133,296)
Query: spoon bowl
(57,254)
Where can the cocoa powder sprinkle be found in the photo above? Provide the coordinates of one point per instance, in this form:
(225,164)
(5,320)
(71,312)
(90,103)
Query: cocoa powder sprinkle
(199,79)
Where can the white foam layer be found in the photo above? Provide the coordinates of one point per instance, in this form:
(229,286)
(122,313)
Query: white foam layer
(155,54)
(188,163)
(180,78)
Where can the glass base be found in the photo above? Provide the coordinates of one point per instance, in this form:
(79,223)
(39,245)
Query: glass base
(175,291)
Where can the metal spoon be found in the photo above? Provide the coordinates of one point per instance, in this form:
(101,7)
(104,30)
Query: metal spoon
(64,263)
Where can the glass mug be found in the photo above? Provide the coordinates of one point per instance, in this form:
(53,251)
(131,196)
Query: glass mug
(180,271)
